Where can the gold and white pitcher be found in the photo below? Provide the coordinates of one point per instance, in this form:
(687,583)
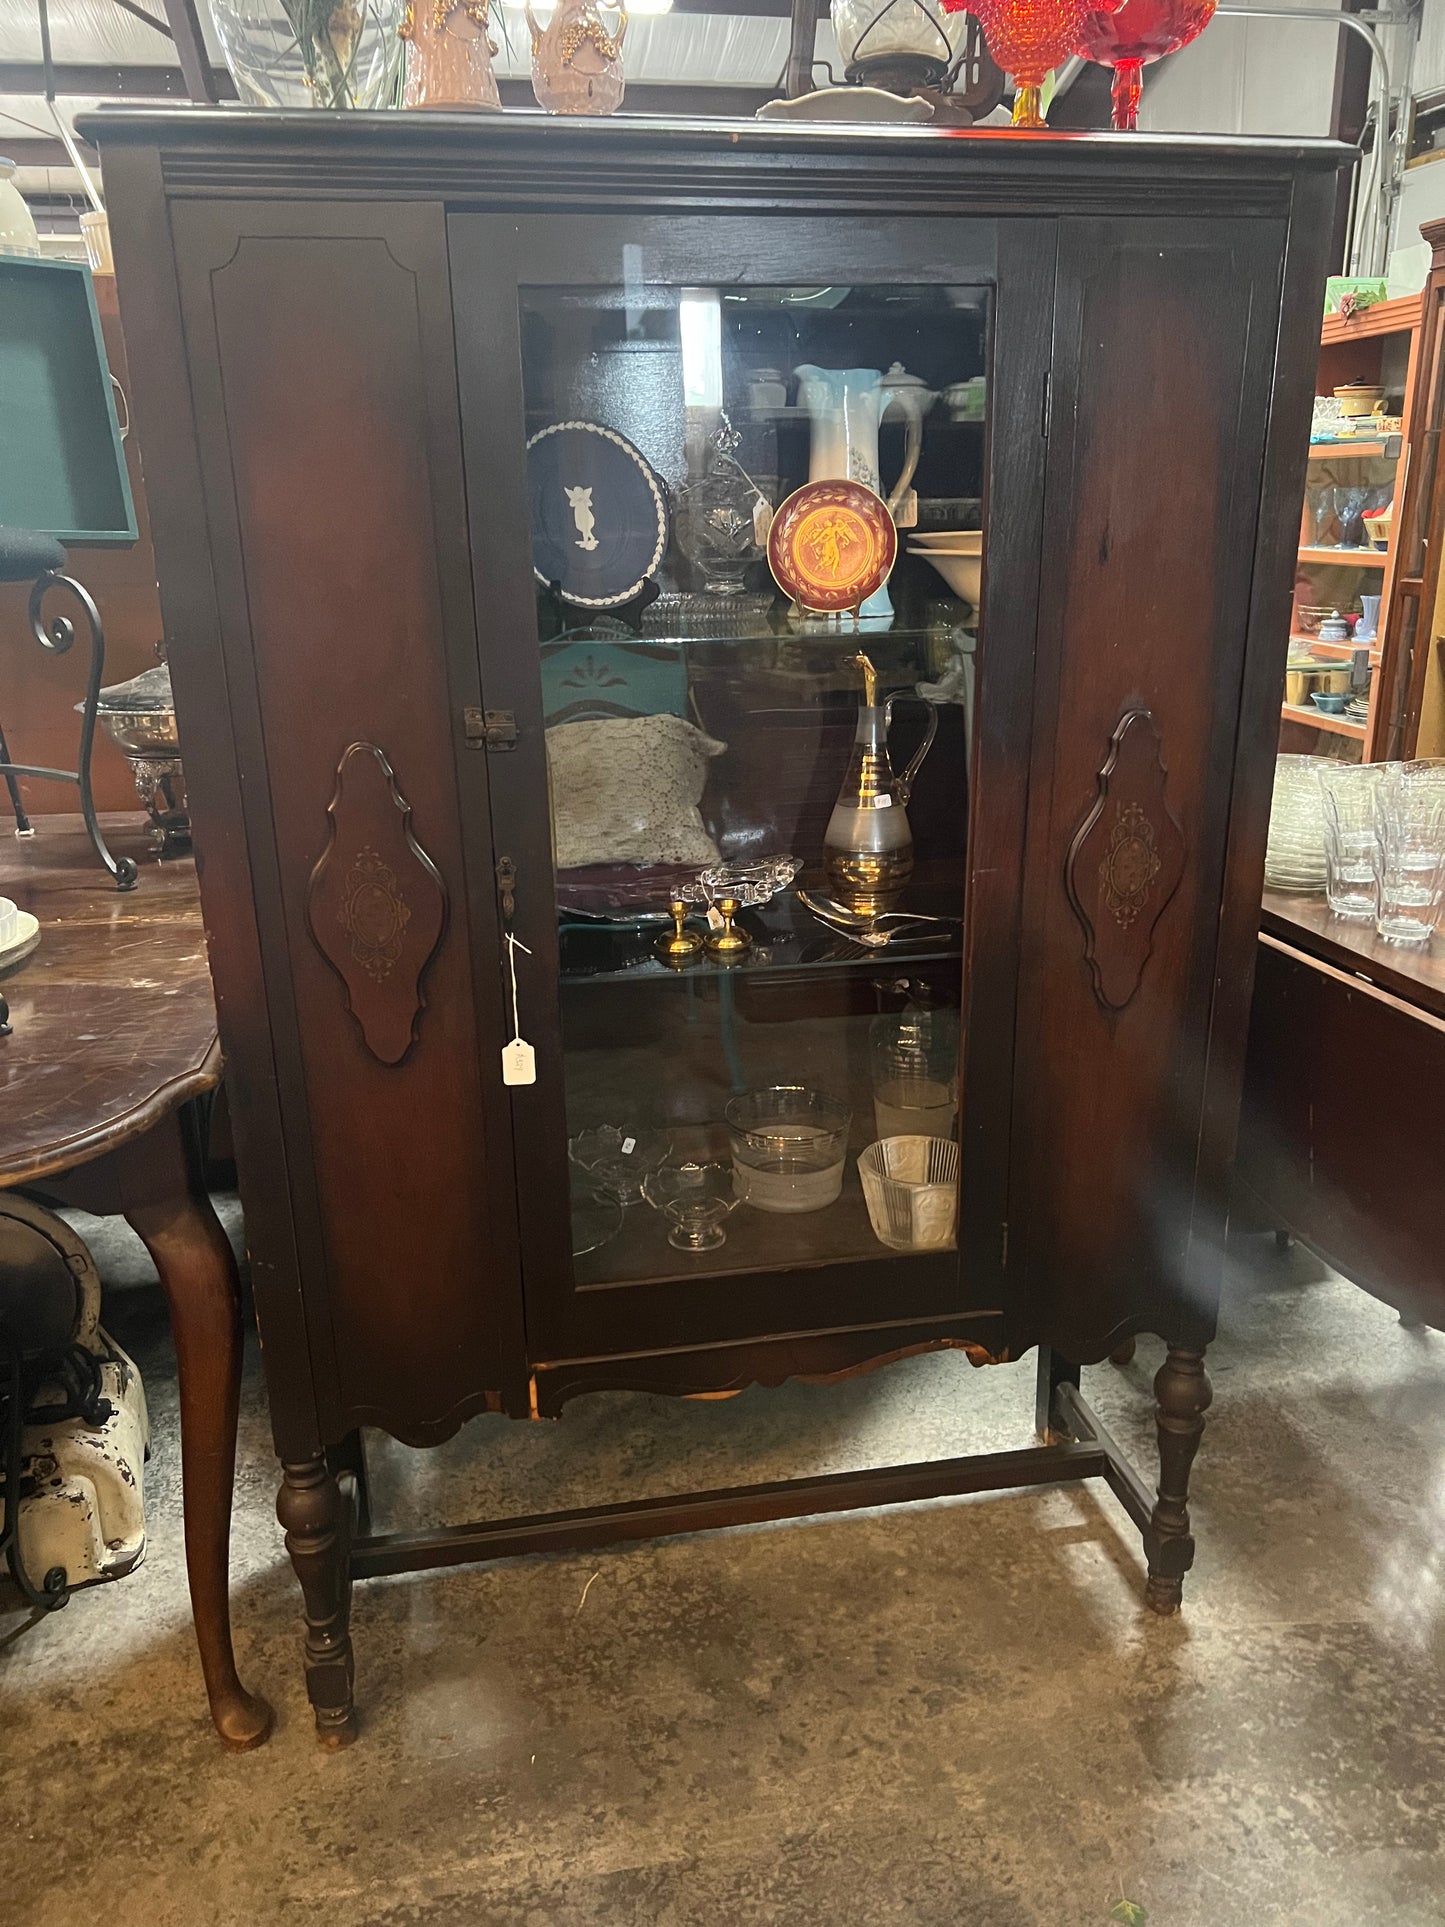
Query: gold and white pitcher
(576,62)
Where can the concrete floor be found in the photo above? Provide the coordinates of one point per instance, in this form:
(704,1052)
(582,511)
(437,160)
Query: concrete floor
(954,1716)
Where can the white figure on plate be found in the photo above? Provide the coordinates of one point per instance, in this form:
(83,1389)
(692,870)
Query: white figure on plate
(581,504)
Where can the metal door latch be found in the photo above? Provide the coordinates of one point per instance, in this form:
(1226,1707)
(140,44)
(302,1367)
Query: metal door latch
(490,728)
(507,888)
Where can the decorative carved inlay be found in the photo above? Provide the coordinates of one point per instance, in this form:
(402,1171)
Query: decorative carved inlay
(376,903)
(1125,861)
(374,914)
(1129,866)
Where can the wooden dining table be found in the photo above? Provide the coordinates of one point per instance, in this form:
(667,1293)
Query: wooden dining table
(105,1075)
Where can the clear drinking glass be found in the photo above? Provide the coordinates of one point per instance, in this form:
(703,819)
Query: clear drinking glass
(1410,851)
(1351,837)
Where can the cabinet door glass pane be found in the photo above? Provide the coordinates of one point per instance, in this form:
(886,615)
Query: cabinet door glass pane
(765,1075)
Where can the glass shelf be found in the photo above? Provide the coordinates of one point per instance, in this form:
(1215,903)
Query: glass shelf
(787,938)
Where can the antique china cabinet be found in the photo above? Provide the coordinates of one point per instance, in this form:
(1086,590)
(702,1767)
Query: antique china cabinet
(464,436)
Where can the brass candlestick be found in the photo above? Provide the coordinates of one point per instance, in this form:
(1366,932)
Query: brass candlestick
(678,947)
(729,944)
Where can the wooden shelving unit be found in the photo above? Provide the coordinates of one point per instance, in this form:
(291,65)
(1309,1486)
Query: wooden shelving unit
(1385,450)
(1344,650)
(1381,346)
(1313,718)
(1346,558)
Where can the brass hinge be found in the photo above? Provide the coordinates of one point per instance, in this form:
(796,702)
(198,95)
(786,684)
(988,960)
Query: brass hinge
(490,728)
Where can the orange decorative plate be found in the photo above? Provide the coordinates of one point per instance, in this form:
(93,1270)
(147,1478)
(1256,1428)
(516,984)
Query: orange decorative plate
(832,545)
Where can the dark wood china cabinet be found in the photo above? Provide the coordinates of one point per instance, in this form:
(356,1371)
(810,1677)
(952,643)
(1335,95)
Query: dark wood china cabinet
(417,725)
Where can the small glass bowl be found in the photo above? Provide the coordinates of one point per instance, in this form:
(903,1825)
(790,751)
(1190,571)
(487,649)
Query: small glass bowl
(789,1147)
(695,1199)
(617,1159)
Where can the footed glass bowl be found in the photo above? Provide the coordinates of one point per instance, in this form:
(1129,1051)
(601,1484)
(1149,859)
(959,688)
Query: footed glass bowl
(695,1199)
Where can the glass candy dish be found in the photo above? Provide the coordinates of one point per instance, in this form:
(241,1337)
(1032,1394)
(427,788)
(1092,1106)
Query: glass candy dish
(695,1199)
(617,1158)
(748,884)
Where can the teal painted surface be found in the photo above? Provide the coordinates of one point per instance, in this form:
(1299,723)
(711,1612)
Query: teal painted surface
(62,468)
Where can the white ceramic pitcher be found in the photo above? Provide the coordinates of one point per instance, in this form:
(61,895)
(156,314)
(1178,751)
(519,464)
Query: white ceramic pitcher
(844,408)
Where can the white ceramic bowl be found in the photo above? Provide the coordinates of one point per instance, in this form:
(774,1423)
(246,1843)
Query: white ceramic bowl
(962,572)
(961,541)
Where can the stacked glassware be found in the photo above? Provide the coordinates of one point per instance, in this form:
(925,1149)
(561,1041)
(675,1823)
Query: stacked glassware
(1409,851)
(1295,856)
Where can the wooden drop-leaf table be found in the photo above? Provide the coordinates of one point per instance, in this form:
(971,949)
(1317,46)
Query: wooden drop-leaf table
(112,1044)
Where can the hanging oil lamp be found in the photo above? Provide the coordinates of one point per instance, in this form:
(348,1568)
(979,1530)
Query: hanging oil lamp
(868,846)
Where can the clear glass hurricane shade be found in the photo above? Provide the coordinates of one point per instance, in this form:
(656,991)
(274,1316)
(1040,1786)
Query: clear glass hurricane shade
(890,30)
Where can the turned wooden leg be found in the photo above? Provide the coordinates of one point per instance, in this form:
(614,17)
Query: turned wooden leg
(174,1219)
(317,1518)
(1054,1370)
(1182,1393)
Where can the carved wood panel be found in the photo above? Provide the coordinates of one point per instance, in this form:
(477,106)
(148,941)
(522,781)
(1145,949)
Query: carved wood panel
(376,903)
(1125,861)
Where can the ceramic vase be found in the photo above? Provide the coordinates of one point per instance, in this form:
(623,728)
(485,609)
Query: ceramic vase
(576,62)
(844,408)
(449,55)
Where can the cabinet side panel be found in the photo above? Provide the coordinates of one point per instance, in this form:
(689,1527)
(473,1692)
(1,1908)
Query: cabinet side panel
(190,607)
(316,342)
(1162,362)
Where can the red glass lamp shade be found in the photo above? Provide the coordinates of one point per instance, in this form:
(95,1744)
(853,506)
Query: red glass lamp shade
(1027,38)
(1141,31)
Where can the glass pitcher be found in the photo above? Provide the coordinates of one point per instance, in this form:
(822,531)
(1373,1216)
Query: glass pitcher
(868,846)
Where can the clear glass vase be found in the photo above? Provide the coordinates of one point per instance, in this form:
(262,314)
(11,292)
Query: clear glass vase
(718,517)
(312,53)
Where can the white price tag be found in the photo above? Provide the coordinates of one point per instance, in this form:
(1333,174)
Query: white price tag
(762,520)
(519,1062)
(629,1145)
(714,917)
(906,515)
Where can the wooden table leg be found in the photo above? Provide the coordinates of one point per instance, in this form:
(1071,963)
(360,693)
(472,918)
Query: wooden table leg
(165,1203)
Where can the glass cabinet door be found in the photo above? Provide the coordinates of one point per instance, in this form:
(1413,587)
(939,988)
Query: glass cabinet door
(747,1113)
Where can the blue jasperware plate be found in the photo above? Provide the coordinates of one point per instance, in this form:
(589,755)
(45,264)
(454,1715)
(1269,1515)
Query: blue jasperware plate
(599,513)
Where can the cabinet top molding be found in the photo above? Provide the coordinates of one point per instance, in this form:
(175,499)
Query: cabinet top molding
(537,161)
